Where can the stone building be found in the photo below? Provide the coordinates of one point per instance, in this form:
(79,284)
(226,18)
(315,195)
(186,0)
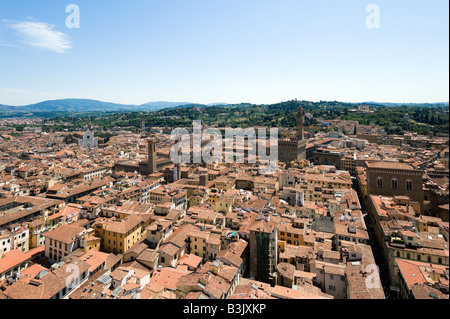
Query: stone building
(395,179)
(148,167)
(295,148)
(328,157)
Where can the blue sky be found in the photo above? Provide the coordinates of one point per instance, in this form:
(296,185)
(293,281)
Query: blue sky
(205,51)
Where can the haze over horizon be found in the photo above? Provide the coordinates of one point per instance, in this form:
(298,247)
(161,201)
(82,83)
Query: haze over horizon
(259,52)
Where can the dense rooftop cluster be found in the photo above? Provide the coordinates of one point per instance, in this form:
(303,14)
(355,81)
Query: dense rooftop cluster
(363,216)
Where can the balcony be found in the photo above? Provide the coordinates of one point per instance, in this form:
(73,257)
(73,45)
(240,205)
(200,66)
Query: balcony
(397,242)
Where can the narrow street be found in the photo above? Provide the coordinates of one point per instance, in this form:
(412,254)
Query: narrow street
(379,259)
(376,249)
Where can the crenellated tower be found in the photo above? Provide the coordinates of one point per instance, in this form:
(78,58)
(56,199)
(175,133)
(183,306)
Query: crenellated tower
(293,149)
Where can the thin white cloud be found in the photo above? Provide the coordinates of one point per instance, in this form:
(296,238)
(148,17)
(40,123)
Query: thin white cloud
(42,35)
(4,44)
(13,96)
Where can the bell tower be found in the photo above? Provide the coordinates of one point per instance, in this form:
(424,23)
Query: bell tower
(300,120)
(89,126)
(151,156)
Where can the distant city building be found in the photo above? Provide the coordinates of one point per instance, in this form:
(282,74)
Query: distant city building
(33,129)
(363,108)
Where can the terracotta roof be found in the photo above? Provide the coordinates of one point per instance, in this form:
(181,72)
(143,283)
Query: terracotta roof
(64,233)
(11,259)
(166,278)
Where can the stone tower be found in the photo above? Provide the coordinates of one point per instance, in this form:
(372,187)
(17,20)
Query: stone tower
(300,120)
(295,148)
(89,127)
(151,157)
(176,172)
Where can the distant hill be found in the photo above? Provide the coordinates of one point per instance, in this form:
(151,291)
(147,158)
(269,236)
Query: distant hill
(70,105)
(86,105)
(4,107)
(79,105)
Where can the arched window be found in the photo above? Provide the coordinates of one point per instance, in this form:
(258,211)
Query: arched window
(394,183)
(379,182)
(409,186)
